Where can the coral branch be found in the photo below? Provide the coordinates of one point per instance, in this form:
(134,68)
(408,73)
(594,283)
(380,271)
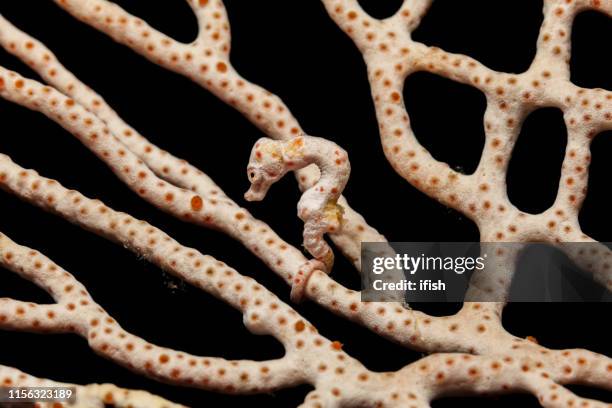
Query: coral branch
(42,60)
(141,165)
(436,375)
(206,62)
(210,207)
(137,235)
(391,55)
(475,329)
(77,312)
(223,213)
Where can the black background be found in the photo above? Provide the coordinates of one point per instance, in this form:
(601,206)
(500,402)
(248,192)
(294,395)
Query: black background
(293,49)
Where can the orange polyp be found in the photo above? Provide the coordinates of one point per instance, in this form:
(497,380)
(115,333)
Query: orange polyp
(197,203)
(222,67)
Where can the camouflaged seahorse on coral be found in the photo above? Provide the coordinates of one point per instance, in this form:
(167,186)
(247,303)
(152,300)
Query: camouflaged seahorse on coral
(318,207)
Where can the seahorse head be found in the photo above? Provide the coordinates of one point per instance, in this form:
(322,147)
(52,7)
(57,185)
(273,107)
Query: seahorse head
(265,168)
